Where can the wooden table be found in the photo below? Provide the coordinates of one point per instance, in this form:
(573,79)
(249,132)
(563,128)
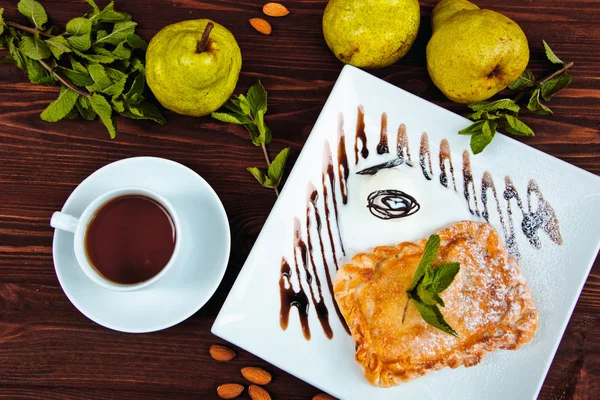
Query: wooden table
(49,350)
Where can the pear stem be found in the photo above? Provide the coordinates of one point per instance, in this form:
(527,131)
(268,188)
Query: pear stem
(203,42)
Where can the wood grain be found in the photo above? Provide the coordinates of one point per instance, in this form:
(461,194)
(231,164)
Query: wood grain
(49,350)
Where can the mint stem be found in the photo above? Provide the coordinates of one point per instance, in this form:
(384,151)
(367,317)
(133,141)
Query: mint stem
(546,79)
(35,31)
(63,80)
(203,43)
(264,148)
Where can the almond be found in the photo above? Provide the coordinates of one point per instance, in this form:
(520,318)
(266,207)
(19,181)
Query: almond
(229,390)
(323,396)
(261,25)
(258,393)
(221,353)
(256,375)
(275,10)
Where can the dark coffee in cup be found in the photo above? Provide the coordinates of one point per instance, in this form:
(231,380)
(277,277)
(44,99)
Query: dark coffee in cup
(130,239)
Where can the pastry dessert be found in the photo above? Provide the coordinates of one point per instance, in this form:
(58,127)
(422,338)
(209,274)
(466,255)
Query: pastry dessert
(488,305)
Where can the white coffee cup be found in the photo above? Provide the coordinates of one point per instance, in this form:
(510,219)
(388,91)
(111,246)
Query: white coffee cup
(79,225)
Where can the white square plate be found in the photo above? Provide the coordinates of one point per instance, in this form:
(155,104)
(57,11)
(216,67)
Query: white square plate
(250,317)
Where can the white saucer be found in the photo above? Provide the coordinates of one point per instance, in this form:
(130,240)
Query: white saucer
(175,297)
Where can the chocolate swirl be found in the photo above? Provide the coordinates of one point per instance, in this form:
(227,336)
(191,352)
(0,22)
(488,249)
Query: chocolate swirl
(391,204)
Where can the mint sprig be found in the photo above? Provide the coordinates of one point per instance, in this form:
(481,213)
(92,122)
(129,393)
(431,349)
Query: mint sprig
(97,60)
(503,114)
(429,282)
(249,111)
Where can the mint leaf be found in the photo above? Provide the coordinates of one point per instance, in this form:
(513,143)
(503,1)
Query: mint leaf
(85,108)
(275,171)
(260,177)
(550,54)
(110,15)
(136,42)
(77,66)
(116,89)
(15,53)
(515,126)
(426,296)
(95,8)
(38,74)
(119,33)
(34,48)
(243,103)
(2,24)
(122,52)
(34,12)
(477,115)
(254,134)
(233,104)
(438,299)
(58,45)
(429,254)
(118,105)
(78,78)
(60,107)
(264,133)
(480,139)
(553,86)
(257,98)
(79,30)
(433,316)
(114,74)
(146,110)
(502,104)
(137,64)
(526,80)
(101,79)
(536,106)
(73,114)
(442,277)
(104,111)
(97,58)
(231,118)
(136,91)
(474,128)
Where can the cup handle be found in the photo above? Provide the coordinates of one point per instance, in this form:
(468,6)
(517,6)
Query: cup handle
(64,222)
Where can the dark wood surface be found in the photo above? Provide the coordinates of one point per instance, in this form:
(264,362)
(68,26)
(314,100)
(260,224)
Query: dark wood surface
(49,350)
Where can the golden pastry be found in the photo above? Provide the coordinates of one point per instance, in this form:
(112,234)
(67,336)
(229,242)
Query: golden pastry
(488,305)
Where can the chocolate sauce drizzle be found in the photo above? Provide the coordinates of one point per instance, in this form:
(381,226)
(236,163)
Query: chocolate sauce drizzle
(425,157)
(314,197)
(292,298)
(328,169)
(343,170)
(360,135)
(391,204)
(308,261)
(446,156)
(383,147)
(402,150)
(469,188)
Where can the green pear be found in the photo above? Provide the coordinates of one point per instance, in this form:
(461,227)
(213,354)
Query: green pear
(192,67)
(445,8)
(473,54)
(370,33)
